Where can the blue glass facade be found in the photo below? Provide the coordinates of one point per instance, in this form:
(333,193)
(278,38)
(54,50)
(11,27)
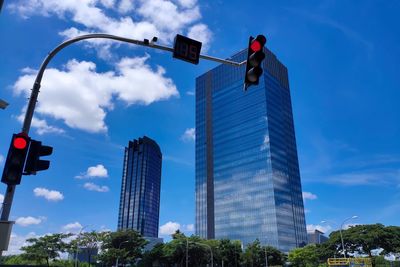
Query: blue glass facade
(140,190)
(247,172)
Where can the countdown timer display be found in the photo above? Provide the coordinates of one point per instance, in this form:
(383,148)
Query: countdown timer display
(187,49)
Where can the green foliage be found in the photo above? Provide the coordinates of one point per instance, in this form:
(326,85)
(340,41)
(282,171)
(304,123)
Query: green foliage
(45,248)
(304,257)
(230,252)
(363,239)
(15,260)
(255,255)
(89,241)
(198,250)
(124,245)
(127,246)
(394,242)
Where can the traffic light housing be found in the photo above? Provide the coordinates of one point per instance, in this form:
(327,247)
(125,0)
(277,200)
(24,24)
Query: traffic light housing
(33,161)
(15,161)
(255,56)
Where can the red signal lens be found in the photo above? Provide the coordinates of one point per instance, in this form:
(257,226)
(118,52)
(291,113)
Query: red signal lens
(255,46)
(19,143)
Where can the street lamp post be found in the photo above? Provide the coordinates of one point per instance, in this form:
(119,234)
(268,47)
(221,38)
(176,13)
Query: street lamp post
(119,247)
(341,235)
(266,257)
(340,230)
(187,253)
(77,246)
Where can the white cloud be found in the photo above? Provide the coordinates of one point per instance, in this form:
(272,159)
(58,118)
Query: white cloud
(132,19)
(94,171)
(190,227)
(50,195)
(169,228)
(125,6)
(309,196)
(72,227)
(84,97)
(189,135)
(167,16)
(97,171)
(1,198)
(41,125)
(108,3)
(145,19)
(1,158)
(27,221)
(348,225)
(324,229)
(368,177)
(18,241)
(191,93)
(187,3)
(95,187)
(200,32)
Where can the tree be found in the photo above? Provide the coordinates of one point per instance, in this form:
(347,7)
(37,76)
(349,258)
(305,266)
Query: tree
(198,252)
(90,241)
(325,251)
(253,255)
(392,245)
(304,257)
(275,256)
(365,238)
(45,248)
(124,245)
(155,255)
(230,252)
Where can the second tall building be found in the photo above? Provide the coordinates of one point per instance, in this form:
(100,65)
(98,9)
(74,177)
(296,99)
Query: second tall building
(140,191)
(247,172)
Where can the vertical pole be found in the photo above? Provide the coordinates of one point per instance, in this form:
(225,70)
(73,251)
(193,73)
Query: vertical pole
(341,237)
(187,248)
(8,198)
(212,258)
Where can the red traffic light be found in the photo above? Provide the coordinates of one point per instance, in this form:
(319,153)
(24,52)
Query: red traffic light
(15,161)
(255,46)
(258,43)
(20,142)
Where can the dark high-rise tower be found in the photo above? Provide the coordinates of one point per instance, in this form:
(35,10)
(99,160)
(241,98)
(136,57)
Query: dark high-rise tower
(140,191)
(247,171)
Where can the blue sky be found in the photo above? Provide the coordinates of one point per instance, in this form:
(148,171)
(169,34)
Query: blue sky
(343,61)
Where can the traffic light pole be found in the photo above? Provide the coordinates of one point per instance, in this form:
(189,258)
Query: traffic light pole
(8,198)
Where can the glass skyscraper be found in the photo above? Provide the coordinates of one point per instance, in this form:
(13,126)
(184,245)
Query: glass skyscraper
(247,171)
(140,190)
